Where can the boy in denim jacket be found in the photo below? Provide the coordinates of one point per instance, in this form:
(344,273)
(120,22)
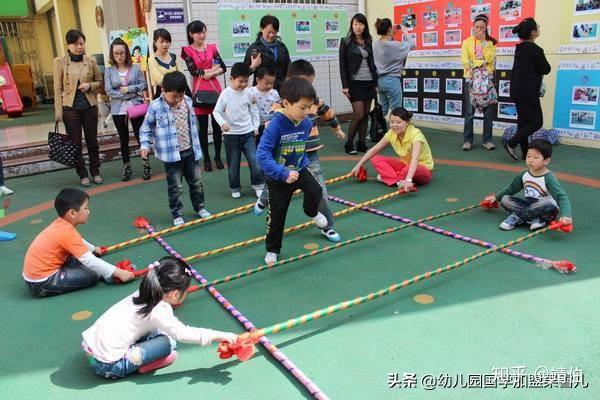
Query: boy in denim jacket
(171,126)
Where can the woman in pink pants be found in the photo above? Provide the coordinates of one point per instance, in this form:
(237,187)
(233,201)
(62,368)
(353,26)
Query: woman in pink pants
(415,165)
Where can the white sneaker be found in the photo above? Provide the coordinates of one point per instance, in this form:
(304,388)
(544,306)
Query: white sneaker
(258,192)
(536,224)
(331,235)
(6,191)
(203,213)
(378,177)
(258,208)
(236,195)
(178,221)
(270,258)
(320,220)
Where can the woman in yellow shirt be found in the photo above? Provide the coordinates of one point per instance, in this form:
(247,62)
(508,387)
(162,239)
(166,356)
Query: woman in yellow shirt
(163,61)
(478,51)
(415,166)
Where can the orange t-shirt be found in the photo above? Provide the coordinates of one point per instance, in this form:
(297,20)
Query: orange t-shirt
(51,248)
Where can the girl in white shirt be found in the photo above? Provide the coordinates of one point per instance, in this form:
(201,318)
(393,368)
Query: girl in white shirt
(139,332)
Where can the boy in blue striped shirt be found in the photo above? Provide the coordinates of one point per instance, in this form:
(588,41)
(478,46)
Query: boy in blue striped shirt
(171,126)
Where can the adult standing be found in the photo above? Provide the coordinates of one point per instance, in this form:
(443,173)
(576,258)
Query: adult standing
(76,80)
(268,50)
(390,57)
(359,79)
(163,61)
(478,52)
(204,64)
(525,85)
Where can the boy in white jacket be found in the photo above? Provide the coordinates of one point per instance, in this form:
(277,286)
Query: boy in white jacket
(237,113)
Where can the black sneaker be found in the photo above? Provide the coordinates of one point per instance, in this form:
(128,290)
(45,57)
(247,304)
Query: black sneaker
(207,167)
(126,173)
(349,148)
(511,151)
(361,147)
(147,175)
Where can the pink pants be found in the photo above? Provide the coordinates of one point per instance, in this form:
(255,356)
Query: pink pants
(392,170)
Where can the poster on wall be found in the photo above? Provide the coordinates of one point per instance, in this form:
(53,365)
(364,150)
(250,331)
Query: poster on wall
(579,34)
(441,26)
(576,105)
(137,41)
(309,31)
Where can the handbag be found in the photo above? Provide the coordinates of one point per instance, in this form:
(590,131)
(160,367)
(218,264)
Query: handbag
(482,91)
(61,148)
(378,124)
(139,110)
(205,98)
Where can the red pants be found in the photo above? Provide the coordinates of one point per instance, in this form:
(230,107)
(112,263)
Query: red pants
(392,170)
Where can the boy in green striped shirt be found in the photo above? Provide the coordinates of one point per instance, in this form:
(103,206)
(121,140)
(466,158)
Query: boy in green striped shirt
(545,199)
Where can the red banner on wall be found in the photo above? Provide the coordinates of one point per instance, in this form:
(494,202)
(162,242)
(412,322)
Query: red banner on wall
(439,27)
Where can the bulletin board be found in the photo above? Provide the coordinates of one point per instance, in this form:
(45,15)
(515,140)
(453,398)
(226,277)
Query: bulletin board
(439,27)
(309,31)
(576,105)
(435,92)
(579,32)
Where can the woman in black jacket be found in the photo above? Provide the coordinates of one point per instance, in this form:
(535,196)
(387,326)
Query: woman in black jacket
(268,50)
(359,79)
(525,85)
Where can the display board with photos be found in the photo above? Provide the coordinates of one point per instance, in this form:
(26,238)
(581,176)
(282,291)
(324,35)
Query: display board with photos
(439,27)
(309,31)
(579,31)
(441,92)
(576,105)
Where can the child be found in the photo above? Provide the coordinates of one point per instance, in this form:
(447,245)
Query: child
(171,125)
(265,96)
(138,333)
(415,166)
(542,191)
(59,260)
(319,111)
(282,157)
(237,114)
(124,83)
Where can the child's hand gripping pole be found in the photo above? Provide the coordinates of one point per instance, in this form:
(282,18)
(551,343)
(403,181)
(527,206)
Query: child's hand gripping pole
(563,266)
(128,266)
(557,225)
(361,175)
(243,348)
(486,203)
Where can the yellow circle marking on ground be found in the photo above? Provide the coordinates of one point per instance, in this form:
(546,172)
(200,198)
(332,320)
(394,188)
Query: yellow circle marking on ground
(451,199)
(36,221)
(423,299)
(81,315)
(311,246)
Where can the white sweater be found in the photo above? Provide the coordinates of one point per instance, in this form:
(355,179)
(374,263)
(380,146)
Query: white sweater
(238,109)
(121,326)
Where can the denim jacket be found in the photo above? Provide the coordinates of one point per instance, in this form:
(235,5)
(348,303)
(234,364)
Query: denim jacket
(159,129)
(135,85)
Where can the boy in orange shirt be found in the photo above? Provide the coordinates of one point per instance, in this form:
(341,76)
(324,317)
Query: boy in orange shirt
(59,260)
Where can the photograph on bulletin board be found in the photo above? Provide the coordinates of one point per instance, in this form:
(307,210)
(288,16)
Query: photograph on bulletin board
(442,26)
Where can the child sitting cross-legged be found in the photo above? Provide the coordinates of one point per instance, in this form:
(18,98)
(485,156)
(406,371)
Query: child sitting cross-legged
(542,192)
(139,333)
(59,260)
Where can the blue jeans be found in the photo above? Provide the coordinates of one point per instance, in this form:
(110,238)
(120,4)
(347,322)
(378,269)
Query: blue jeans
(314,166)
(235,145)
(148,349)
(189,169)
(488,116)
(73,275)
(390,92)
(528,209)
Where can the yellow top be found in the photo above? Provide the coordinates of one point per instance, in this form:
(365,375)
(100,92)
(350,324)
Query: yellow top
(157,71)
(470,61)
(403,147)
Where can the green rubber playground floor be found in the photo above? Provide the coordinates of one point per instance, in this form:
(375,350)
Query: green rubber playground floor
(497,312)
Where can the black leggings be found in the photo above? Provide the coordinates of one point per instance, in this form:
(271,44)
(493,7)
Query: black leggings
(203,134)
(360,121)
(122,125)
(529,119)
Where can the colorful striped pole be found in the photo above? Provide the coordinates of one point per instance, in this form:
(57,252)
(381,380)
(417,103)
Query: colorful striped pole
(294,228)
(222,214)
(540,262)
(312,388)
(291,323)
(299,257)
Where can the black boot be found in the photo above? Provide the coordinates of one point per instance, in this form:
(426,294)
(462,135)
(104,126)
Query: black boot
(361,147)
(349,148)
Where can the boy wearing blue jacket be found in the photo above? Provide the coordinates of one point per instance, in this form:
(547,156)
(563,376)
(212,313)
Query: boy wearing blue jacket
(282,157)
